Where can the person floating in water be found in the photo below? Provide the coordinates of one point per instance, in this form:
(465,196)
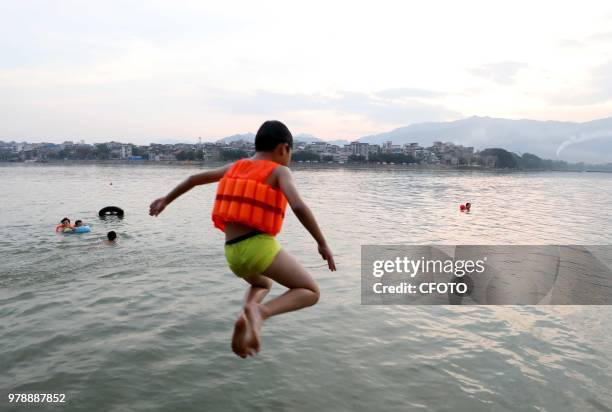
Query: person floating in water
(64,226)
(78,223)
(466,207)
(249,207)
(111,238)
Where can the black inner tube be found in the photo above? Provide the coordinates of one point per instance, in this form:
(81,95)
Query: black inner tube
(111,210)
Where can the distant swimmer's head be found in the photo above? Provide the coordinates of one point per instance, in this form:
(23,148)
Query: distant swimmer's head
(274,137)
(65,222)
(467,206)
(111,236)
(78,223)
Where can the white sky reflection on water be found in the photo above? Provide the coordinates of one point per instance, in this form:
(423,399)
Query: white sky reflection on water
(146,324)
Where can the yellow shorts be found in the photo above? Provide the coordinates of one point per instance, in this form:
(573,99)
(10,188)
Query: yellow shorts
(252,256)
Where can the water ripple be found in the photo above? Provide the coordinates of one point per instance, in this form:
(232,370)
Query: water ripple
(146,325)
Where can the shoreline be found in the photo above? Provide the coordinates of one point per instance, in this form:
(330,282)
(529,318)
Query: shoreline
(294,165)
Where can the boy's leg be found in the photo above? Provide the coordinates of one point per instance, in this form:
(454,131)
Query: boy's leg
(260,286)
(303,292)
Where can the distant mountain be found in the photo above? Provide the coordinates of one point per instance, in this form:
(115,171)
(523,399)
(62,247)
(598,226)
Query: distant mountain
(340,143)
(301,137)
(307,138)
(575,142)
(175,141)
(247,137)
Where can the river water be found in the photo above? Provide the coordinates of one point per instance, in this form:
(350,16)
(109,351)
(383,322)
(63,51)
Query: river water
(146,324)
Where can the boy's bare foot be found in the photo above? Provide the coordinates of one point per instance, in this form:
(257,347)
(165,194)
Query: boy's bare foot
(254,316)
(239,341)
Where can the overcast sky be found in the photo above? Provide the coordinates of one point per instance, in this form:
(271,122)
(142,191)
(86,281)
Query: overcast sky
(145,71)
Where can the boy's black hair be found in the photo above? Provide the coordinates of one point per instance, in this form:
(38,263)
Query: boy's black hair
(76,222)
(65,219)
(271,134)
(111,235)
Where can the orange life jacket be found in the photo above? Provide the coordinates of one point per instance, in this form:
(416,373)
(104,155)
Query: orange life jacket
(244,197)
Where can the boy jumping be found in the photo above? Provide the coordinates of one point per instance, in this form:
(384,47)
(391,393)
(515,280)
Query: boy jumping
(249,207)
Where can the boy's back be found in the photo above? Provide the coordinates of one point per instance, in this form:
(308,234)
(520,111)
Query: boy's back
(249,198)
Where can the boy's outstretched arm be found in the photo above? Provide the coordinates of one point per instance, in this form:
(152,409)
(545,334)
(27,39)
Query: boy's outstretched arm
(303,213)
(210,176)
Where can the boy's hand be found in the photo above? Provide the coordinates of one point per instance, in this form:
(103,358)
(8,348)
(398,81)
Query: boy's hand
(158,206)
(326,254)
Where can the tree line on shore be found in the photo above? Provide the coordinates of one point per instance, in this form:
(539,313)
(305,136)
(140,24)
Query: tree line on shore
(502,158)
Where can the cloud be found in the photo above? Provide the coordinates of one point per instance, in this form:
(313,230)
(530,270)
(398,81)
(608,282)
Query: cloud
(501,72)
(597,89)
(600,37)
(371,107)
(400,93)
(571,43)
(388,111)
(262,102)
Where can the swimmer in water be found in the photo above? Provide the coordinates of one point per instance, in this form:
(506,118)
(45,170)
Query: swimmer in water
(78,223)
(465,208)
(111,238)
(64,226)
(250,206)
